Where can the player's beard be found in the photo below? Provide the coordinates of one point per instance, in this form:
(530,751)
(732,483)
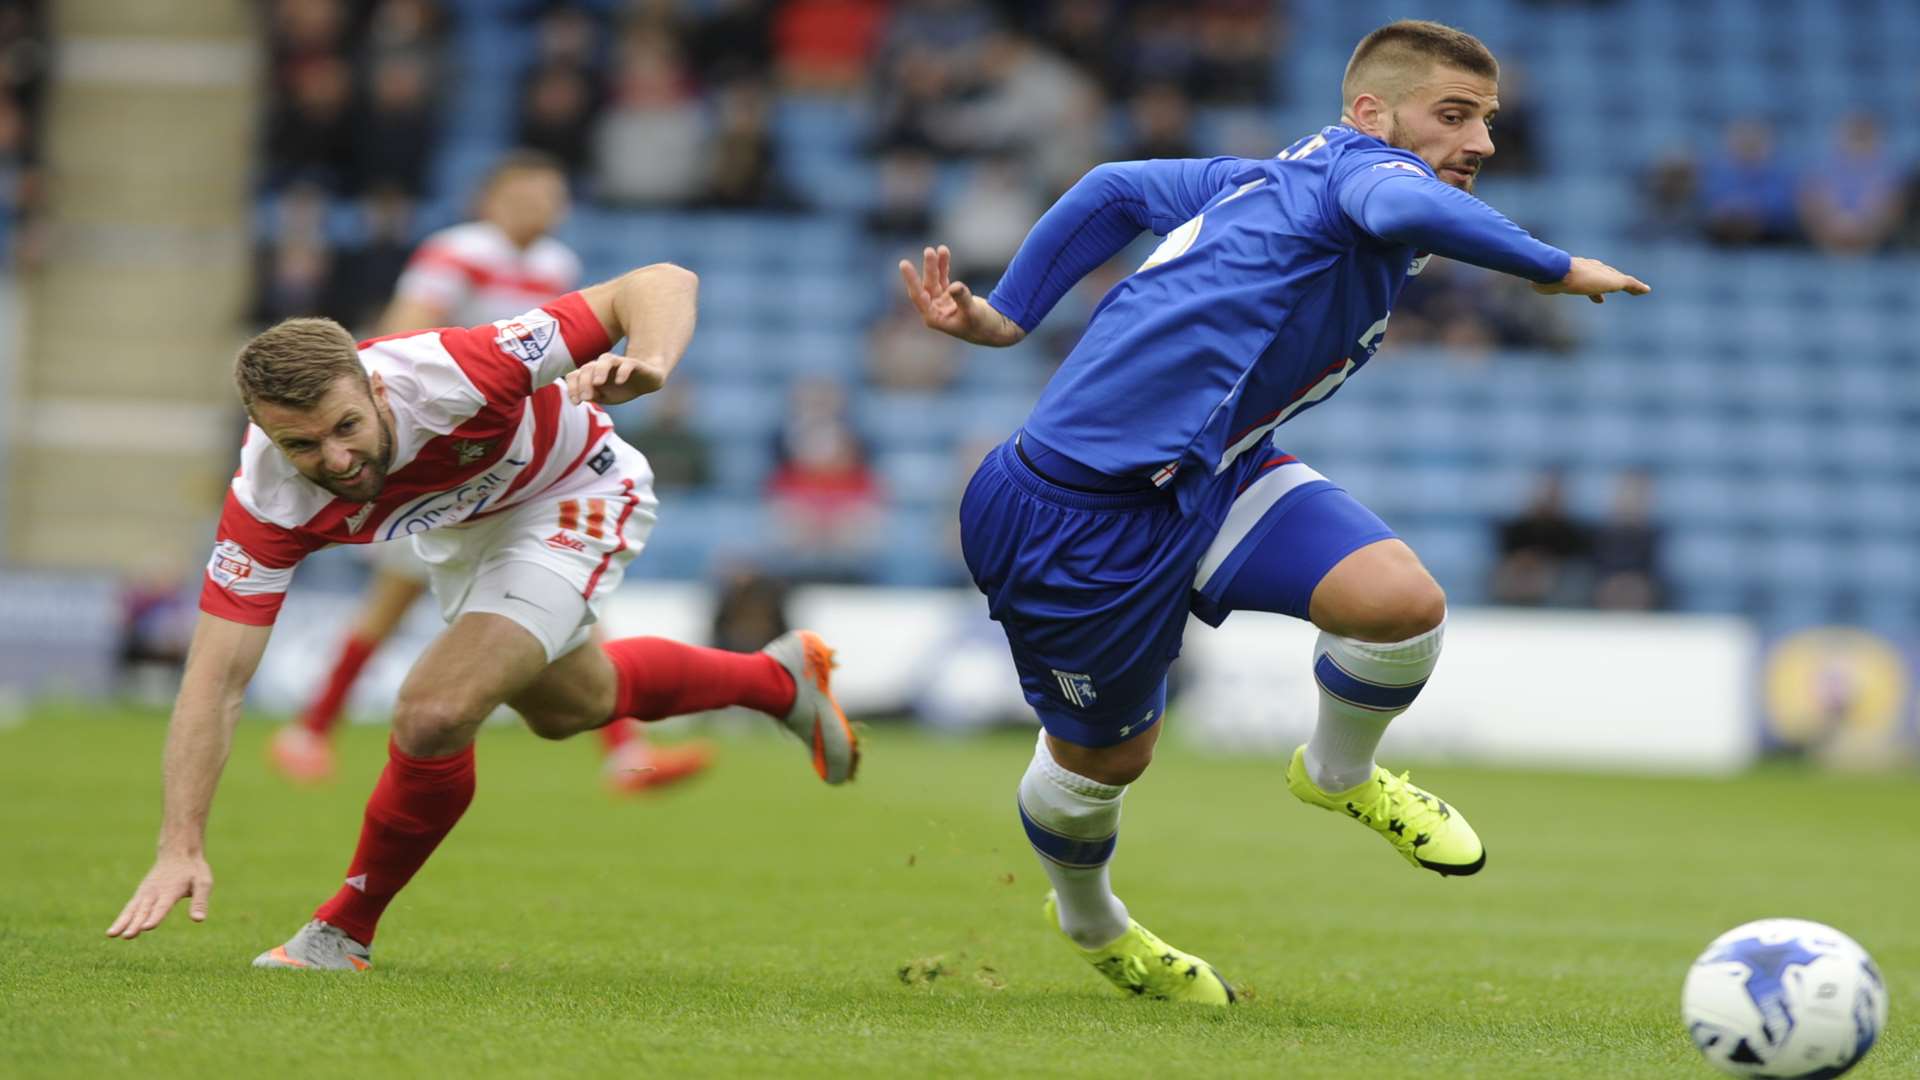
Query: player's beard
(373,475)
(1400,140)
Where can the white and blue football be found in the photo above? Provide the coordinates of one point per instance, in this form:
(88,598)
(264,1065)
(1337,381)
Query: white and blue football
(1786,999)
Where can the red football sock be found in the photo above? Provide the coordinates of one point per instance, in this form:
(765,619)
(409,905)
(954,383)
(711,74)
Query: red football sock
(618,734)
(661,678)
(325,710)
(412,808)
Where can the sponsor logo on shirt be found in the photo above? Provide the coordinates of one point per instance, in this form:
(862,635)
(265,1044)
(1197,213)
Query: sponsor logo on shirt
(1407,165)
(470,450)
(528,337)
(359,518)
(601,461)
(564,542)
(230,563)
(455,505)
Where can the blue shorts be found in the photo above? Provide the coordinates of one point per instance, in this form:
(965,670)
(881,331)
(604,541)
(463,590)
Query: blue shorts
(1093,588)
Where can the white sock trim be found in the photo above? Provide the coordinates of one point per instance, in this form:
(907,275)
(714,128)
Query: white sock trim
(1416,650)
(1069,780)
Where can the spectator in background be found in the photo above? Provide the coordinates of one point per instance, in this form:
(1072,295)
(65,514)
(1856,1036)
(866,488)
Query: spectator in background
(681,456)
(1162,45)
(729,40)
(15,177)
(901,355)
(1851,202)
(1515,131)
(949,27)
(1544,554)
(304,32)
(1082,31)
(1237,41)
(23,66)
(903,209)
(568,35)
(750,610)
(1471,310)
(393,141)
(649,143)
(1036,105)
(1626,550)
(824,493)
(1671,190)
(295,275)
(410,27)
(1746,192)
(1443,305)
(557,115)
(825,46)
(364,271)
(1162,123)
(310,131)
(913,101)
(742,163)
(992,211)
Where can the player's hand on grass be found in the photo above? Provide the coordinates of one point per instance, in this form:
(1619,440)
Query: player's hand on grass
(174,877)
(950,307)
(1592,278)
(613,379)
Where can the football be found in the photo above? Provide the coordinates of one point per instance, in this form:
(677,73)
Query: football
(1784,998)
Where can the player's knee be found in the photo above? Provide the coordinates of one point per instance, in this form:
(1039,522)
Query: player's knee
(1403,608)
(428,722)
(550,725)
(1380,593)
(1113,765)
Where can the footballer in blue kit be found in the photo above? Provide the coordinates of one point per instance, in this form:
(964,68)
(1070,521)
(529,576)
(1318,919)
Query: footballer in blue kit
(1146,485)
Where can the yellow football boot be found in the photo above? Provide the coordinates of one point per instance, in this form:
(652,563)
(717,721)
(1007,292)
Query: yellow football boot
(1422,828)
(1141,964)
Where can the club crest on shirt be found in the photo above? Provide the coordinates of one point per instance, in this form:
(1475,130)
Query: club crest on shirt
(528,337)
(1076,687)
(470,450)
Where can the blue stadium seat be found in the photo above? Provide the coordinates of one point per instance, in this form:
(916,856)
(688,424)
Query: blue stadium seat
(920,478)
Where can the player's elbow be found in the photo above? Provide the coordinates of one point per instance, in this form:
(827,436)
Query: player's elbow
(664,275)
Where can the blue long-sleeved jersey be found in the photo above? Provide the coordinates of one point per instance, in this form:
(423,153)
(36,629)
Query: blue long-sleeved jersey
(1273,285)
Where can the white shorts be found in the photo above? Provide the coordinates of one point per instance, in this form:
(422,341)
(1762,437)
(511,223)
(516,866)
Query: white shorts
(549,563)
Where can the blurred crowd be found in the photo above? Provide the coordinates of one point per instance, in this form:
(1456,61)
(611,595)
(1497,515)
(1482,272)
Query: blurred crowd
(1548,557)
(1841,192)
(972,117)
(23,69)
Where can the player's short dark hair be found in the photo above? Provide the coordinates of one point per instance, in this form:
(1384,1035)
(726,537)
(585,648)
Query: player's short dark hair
(522,159)
(296,363)
(1401,53)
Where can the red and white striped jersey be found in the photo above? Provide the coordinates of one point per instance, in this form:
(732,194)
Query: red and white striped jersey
(479,425)
(475,274)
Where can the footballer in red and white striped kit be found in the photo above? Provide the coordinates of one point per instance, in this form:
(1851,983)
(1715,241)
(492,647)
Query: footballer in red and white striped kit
(496,266)
(487,446)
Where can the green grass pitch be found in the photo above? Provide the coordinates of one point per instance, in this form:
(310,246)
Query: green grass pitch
(759,923)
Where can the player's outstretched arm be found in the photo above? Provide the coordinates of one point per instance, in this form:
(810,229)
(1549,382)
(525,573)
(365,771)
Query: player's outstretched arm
(950,307)
(220,663)
(654,308)
(1593,279)
(1403,206)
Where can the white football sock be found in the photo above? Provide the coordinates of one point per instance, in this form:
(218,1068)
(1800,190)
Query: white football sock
(1363,686)
(1072,823)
